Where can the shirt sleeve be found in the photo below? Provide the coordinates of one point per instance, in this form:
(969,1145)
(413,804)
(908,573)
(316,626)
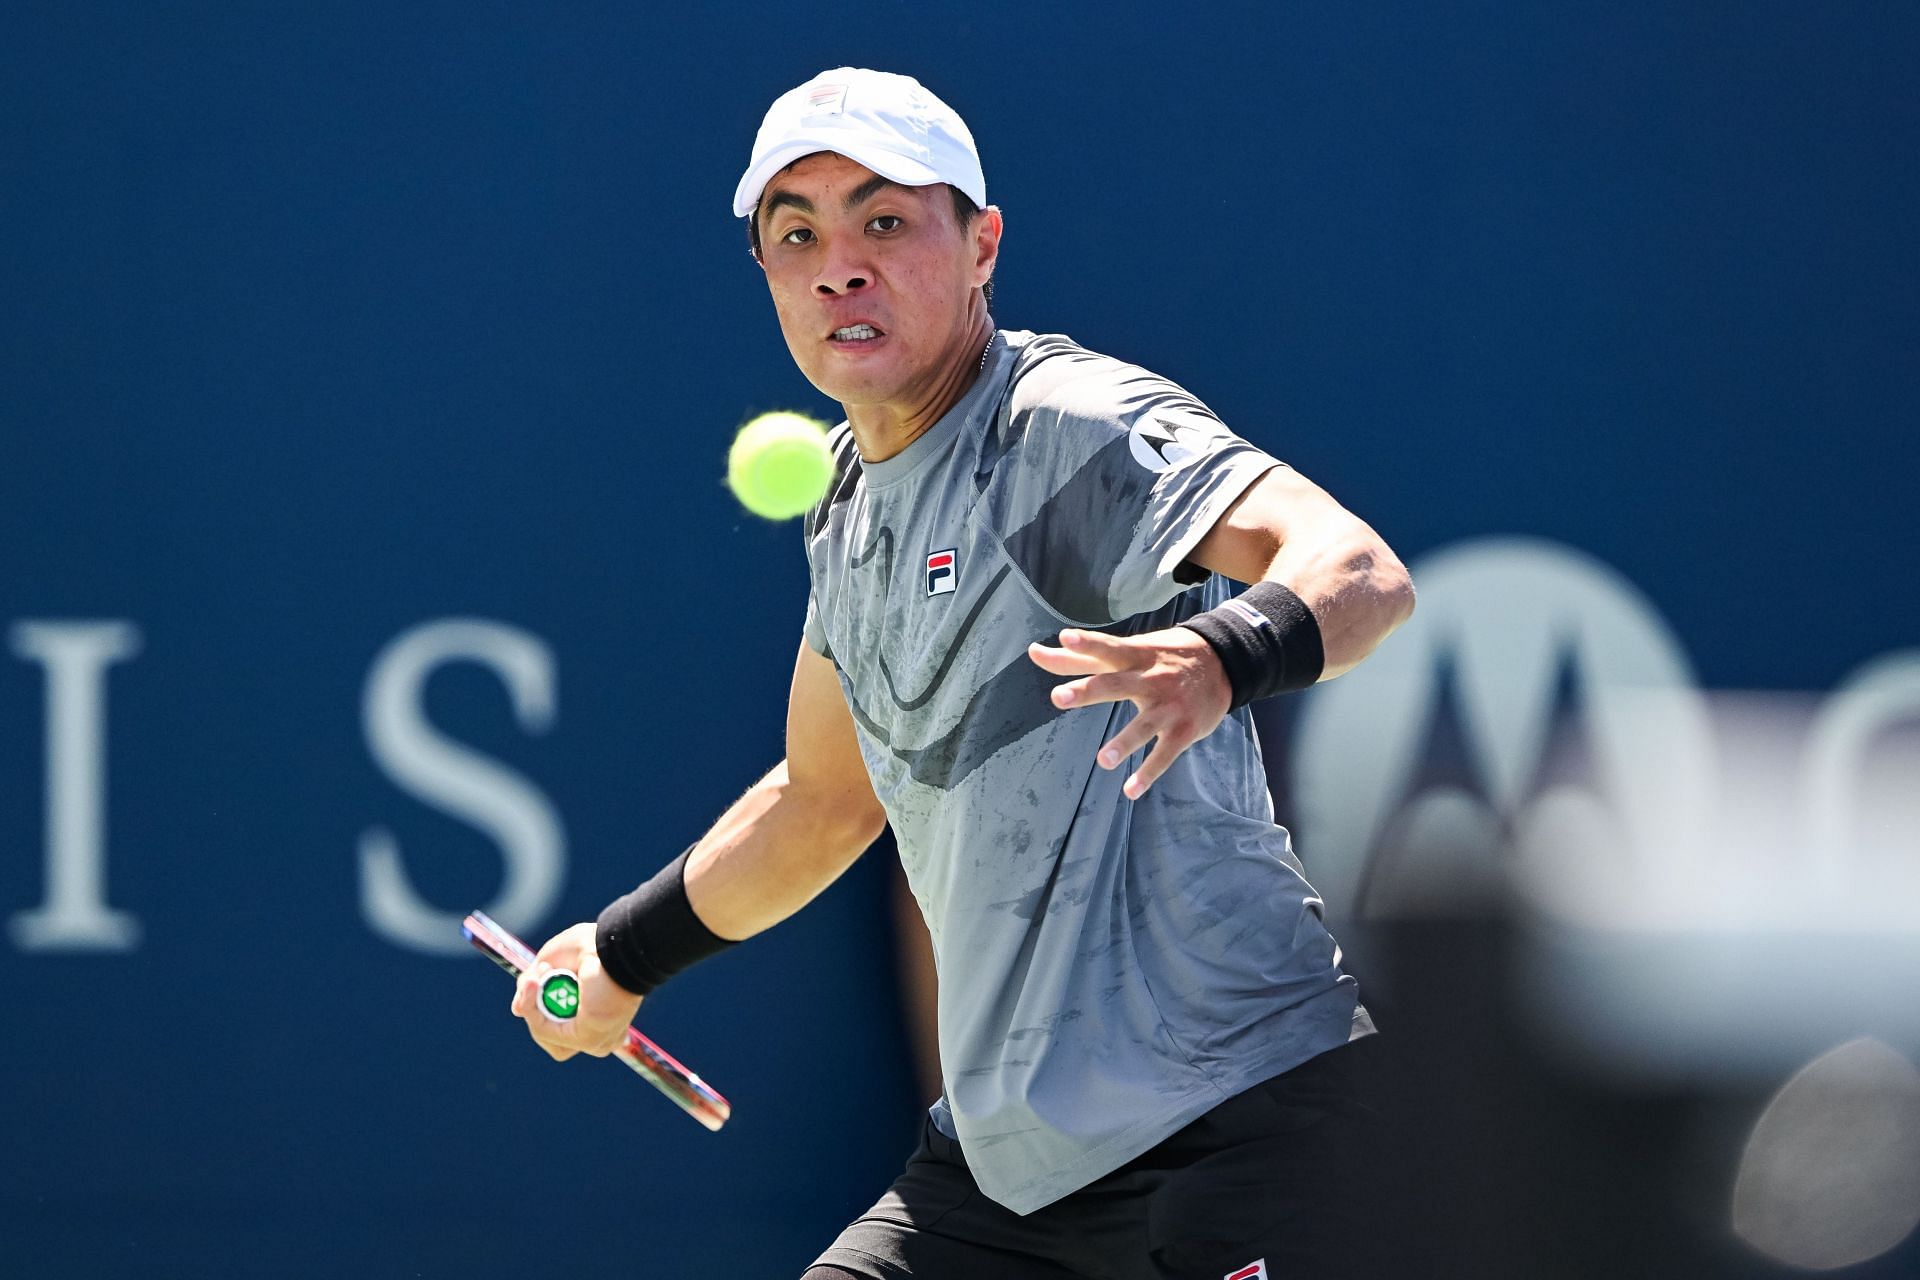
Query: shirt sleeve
(815,535)
(816,636)
(1132,482)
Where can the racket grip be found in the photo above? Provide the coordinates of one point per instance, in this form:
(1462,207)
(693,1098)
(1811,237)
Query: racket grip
(648,1060)
(560,994)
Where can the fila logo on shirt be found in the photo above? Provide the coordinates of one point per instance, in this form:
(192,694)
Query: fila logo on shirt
(1256,1270)
(943,572)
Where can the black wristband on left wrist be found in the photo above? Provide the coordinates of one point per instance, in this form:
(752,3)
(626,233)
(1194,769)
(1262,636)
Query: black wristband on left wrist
(1267,639)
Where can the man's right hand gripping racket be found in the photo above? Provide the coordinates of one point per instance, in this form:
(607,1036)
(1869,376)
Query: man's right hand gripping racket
(658,1067)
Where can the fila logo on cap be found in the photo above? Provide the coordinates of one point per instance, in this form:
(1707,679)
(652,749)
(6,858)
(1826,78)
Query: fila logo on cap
(827,100)
(943,570)
(1256,1270)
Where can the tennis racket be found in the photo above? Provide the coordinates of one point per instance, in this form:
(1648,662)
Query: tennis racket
(656,1066)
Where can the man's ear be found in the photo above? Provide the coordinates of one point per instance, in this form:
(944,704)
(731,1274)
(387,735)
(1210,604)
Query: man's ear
(986,243)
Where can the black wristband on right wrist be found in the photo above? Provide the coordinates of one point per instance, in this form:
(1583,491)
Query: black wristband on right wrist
(651,934)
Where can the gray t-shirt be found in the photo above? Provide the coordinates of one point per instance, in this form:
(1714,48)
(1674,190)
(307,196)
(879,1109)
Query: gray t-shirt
(1109,969)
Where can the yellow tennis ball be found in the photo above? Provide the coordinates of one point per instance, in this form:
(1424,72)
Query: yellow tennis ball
(779,465)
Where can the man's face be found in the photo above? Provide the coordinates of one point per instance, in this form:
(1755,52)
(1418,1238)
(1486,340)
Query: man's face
(844,248)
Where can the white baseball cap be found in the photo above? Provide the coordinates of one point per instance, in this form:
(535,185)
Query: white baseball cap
(892,124)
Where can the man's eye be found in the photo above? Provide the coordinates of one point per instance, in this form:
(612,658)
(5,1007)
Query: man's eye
(885,222)
(803,232)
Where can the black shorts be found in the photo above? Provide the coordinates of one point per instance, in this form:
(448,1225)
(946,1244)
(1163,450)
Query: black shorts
(1273,1176)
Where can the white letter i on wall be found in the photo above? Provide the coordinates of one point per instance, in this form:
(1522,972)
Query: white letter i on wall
(74,915)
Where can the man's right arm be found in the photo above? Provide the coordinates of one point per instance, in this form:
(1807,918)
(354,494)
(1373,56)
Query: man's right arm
(794,832)
(773,851)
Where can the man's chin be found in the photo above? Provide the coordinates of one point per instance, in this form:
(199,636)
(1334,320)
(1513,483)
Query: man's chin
(852,392)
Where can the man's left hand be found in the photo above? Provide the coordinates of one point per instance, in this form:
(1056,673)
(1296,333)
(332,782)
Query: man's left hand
(1173,678)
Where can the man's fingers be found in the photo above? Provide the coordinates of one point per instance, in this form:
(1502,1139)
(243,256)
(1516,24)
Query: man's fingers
(554,1038)
(563,1040)
(600,1026)
(1065,662)
(526,994)
(1083,652)
(1164,753)
(557,1039)
(1113,648)
(599,1042)
(1137,734)
(604,1047)
(1169,740)
(1113,686)
(1157,673)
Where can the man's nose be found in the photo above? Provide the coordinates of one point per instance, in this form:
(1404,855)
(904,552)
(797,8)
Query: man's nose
(839,282)
(841,273)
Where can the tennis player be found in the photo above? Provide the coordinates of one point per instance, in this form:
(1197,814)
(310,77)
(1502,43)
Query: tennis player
(1027,647)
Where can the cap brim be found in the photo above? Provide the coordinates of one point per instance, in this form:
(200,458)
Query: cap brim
(904,170)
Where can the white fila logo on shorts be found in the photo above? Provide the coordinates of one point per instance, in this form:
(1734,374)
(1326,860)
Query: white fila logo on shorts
(1256,1270)
(943,571)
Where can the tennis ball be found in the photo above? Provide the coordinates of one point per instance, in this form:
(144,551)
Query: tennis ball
(779,465)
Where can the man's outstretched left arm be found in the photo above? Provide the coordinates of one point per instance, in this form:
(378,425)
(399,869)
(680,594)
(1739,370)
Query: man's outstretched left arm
(1347,589)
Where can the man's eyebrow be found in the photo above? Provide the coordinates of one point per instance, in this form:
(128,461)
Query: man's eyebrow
(779,198)
(868,189)
(865,191)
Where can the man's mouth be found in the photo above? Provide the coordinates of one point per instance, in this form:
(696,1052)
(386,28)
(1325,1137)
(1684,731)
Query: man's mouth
(856,333)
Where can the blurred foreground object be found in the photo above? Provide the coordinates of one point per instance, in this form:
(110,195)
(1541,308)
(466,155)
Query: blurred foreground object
(1831,1175)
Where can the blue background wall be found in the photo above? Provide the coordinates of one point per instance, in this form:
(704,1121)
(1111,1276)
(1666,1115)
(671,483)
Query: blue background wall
(319,324)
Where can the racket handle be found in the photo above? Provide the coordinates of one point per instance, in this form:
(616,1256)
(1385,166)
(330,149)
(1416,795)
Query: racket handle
(649,1061)
(560,994)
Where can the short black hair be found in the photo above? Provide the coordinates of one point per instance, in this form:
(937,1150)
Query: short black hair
(964,212)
